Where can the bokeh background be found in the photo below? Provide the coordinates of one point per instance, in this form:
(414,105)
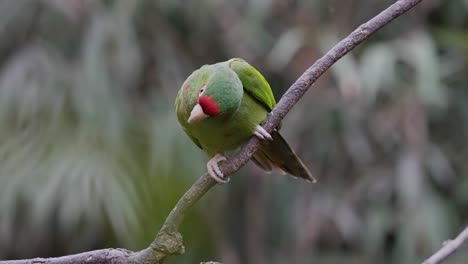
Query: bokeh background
(91,154)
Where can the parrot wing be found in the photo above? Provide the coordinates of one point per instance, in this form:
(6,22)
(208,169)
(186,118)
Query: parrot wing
(254,83)
(277,154)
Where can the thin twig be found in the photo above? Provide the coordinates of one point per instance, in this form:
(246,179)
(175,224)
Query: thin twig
(168,240)
(448,248)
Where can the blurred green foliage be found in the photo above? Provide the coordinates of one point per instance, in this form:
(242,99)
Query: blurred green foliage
(91,154)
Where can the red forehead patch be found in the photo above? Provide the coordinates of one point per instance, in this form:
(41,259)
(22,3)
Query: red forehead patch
(209,106)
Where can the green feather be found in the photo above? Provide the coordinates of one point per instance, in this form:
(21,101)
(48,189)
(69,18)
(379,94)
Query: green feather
(254,83)
(244,98)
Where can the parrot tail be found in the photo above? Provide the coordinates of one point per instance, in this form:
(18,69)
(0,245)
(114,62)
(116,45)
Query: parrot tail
(279,156)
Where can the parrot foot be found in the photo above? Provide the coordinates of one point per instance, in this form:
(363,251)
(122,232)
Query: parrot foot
(214,171)
(261,133)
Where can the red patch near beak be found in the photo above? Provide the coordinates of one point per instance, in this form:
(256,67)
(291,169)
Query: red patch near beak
(209,106)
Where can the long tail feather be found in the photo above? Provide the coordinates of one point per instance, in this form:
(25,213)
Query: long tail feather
(278,155)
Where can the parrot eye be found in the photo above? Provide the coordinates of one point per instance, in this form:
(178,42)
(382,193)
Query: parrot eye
(202,90)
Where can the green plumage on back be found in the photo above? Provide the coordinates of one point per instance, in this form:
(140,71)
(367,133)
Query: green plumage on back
(254,83)
(221,106)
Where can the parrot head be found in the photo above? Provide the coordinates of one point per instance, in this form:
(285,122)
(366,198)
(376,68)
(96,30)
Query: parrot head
(219,94)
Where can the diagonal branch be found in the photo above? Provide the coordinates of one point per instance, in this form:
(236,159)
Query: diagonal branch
(169,241)
(310,76)
(448,248)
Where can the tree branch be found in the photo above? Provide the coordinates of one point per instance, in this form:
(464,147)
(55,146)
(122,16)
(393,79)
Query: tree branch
(448,248)
(168,241)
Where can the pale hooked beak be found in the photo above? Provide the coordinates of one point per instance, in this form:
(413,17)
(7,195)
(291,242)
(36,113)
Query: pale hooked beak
(197,114)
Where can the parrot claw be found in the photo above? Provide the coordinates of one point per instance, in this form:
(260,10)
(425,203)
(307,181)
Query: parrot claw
(214,171)
(261,133)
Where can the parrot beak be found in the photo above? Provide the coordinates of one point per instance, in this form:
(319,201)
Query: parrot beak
(197,114)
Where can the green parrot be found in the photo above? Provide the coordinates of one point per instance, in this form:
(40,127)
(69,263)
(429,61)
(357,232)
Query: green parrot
(220,106)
